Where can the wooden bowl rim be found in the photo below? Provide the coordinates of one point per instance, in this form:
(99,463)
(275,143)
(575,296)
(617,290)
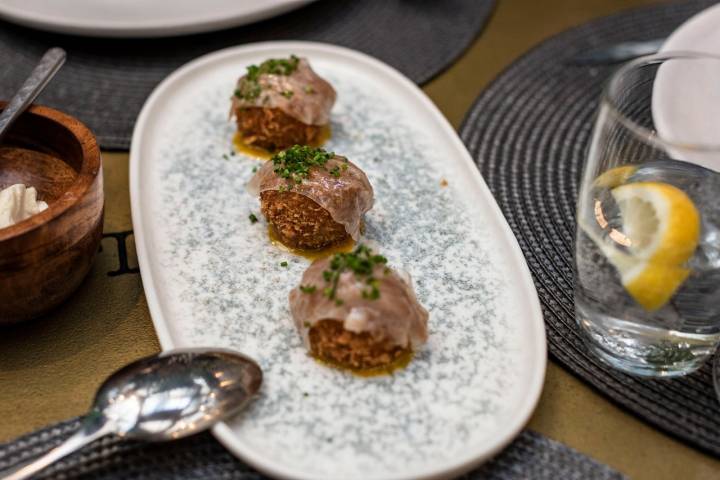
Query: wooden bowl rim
(90,168)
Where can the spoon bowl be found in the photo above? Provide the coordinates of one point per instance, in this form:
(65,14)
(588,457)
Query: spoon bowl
(176,394)
(163,397)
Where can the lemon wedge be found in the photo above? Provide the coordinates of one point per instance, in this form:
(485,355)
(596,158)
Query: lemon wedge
(615,176)
(660,228)
(653,284)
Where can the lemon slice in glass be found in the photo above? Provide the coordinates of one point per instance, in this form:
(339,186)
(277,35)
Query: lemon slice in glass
(661,227)
(615,176)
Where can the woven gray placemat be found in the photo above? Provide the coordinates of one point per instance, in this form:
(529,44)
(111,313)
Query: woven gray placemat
(528,132)
(530,456)
(106,81)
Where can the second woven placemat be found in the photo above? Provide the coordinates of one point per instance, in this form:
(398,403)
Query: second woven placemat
(106,81)
(530,456)
(528,133)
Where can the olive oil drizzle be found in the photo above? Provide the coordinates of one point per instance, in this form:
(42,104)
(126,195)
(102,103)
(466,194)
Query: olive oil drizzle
(398,364)
(343,247)
(249,150)
(257,152)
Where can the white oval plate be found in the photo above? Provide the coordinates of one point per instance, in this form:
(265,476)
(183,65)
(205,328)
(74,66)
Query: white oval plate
(212,278)
(686,97)
(140,18)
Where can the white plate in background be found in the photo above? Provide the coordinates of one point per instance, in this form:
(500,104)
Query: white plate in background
(686,95)
(140,18)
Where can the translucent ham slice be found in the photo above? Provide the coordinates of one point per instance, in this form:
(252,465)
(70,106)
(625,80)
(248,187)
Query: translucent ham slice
(396,315)
(311,99)
(346,197)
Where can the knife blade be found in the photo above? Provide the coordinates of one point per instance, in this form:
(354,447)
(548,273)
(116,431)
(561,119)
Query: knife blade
(617,53)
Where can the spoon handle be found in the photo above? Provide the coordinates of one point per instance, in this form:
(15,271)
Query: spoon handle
(48,66)
(88,432)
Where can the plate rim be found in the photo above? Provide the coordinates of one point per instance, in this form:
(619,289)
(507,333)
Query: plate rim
(516,259)
(143,28)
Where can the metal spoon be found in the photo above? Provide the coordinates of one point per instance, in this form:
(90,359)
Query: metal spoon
(163,397)
(44,71)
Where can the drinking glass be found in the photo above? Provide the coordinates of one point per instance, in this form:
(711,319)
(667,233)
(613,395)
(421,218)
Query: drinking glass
(647,266)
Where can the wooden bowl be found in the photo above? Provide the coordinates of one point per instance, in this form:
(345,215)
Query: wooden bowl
(44,258)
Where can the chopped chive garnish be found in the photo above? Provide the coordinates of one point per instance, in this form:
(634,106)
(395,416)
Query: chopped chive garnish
(250,88)
(283,264)
(253,218)
(308,288)
(362,263)
(294,164)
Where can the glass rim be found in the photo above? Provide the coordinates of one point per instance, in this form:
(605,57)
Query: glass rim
(646,134)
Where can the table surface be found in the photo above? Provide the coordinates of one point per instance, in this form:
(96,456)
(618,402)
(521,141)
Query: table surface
(50,368)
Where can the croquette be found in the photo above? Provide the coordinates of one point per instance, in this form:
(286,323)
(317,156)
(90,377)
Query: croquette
(355,312)
(280,103)
(273,129)
(299,221)
(330,342)
(312,198)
